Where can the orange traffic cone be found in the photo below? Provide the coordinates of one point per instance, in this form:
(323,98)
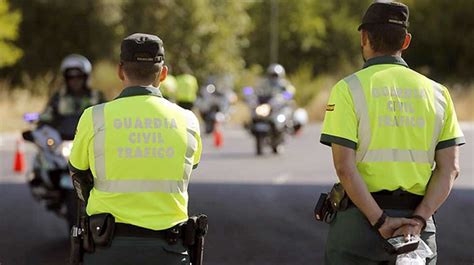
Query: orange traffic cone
(218,139)
(19,162)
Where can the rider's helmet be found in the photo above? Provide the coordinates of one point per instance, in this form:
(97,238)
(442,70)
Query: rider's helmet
(276,71)
(76,62)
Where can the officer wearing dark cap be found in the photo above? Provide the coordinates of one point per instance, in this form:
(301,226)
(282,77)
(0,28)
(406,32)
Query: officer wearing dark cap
(140,150)
(395,144)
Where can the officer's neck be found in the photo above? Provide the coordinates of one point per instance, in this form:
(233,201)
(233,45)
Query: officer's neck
(130,83)
(372,54)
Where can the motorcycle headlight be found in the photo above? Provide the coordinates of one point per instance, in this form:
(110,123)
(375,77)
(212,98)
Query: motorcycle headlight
(263,110)
(281,118)
(66,148)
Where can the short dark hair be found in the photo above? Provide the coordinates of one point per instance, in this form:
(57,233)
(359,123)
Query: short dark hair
(385,38)
(142,71)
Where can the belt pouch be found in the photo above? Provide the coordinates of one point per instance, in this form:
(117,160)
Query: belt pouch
(102,227)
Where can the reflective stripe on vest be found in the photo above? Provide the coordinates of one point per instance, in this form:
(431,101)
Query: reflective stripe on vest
(440,108)
(99,140)
(364,133)
(363,154)
(136,185)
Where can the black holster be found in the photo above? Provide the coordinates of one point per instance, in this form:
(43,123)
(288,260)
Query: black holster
(102,228)
(195,231)
(330,203)
(81,239)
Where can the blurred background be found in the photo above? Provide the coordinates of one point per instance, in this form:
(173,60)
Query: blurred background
(316,41)
(260,207)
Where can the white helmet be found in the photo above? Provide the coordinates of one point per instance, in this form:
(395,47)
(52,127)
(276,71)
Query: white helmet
(78,62)
(276,70)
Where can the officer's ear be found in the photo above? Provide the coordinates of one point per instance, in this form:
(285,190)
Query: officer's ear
(120,72)
(163,73)
(406,42)
(364,38)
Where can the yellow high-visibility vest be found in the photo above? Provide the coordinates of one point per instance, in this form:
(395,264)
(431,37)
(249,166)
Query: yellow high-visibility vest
(395,119)
(169,87)
(187,88)
(141,150)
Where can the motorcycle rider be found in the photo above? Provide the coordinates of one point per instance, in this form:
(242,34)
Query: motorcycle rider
(277,91)
(215,99)
(62,116)
(275,83)
(66,105)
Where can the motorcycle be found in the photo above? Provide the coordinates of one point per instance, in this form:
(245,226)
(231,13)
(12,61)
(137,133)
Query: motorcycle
(272,119)
(214,105)
(49,179)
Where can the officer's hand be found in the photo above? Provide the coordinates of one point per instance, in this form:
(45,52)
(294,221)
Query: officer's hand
(408,230)
(394,223)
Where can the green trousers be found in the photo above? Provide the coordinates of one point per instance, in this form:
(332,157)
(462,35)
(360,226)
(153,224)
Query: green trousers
(351,240)
(139,251)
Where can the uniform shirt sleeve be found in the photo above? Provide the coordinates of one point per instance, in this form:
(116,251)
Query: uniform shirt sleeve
(451,133)
(340,121)
(79,158)
(194,126)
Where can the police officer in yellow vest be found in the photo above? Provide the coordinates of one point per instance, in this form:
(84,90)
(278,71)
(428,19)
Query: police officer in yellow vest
(186,92)
(394,137)
(168,88)
(141,150)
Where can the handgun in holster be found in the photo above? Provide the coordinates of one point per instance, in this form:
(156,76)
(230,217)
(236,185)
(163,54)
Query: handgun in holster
(81,240)
(195,231)
(330,203)
(323,211)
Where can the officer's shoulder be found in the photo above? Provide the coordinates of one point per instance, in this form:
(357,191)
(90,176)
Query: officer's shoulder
(429,80)
(343,83)
(88,110)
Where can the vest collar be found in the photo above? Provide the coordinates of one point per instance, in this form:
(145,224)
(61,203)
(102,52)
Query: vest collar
(385,60)
(139,91)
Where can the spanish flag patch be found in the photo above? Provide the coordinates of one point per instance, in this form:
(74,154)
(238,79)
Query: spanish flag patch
(330,107)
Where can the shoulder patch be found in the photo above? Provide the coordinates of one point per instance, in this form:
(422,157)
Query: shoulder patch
(330,107)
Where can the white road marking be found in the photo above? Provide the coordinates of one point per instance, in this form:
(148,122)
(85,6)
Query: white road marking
(281,179)
(13,179)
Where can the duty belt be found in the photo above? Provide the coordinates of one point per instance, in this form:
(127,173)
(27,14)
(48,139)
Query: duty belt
(397,200)
(127,230)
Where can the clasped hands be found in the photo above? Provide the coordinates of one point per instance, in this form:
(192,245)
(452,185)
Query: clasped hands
(397,226)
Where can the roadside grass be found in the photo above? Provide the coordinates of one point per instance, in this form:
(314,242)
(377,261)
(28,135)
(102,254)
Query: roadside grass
(14,104)
(463,99)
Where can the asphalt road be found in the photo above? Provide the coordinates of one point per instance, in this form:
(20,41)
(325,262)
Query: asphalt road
(260,209)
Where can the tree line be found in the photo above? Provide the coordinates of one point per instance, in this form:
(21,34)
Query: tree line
(207,37)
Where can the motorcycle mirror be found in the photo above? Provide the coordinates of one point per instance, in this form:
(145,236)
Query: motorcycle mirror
(287,95)
(27,136)
(248,90)
(31,117)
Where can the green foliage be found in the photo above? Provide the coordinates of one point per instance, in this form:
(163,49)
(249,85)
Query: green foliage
(307,87)
(9,21)
(322,33)
(443,38)
(52,29)
(201,37)
(215,37)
